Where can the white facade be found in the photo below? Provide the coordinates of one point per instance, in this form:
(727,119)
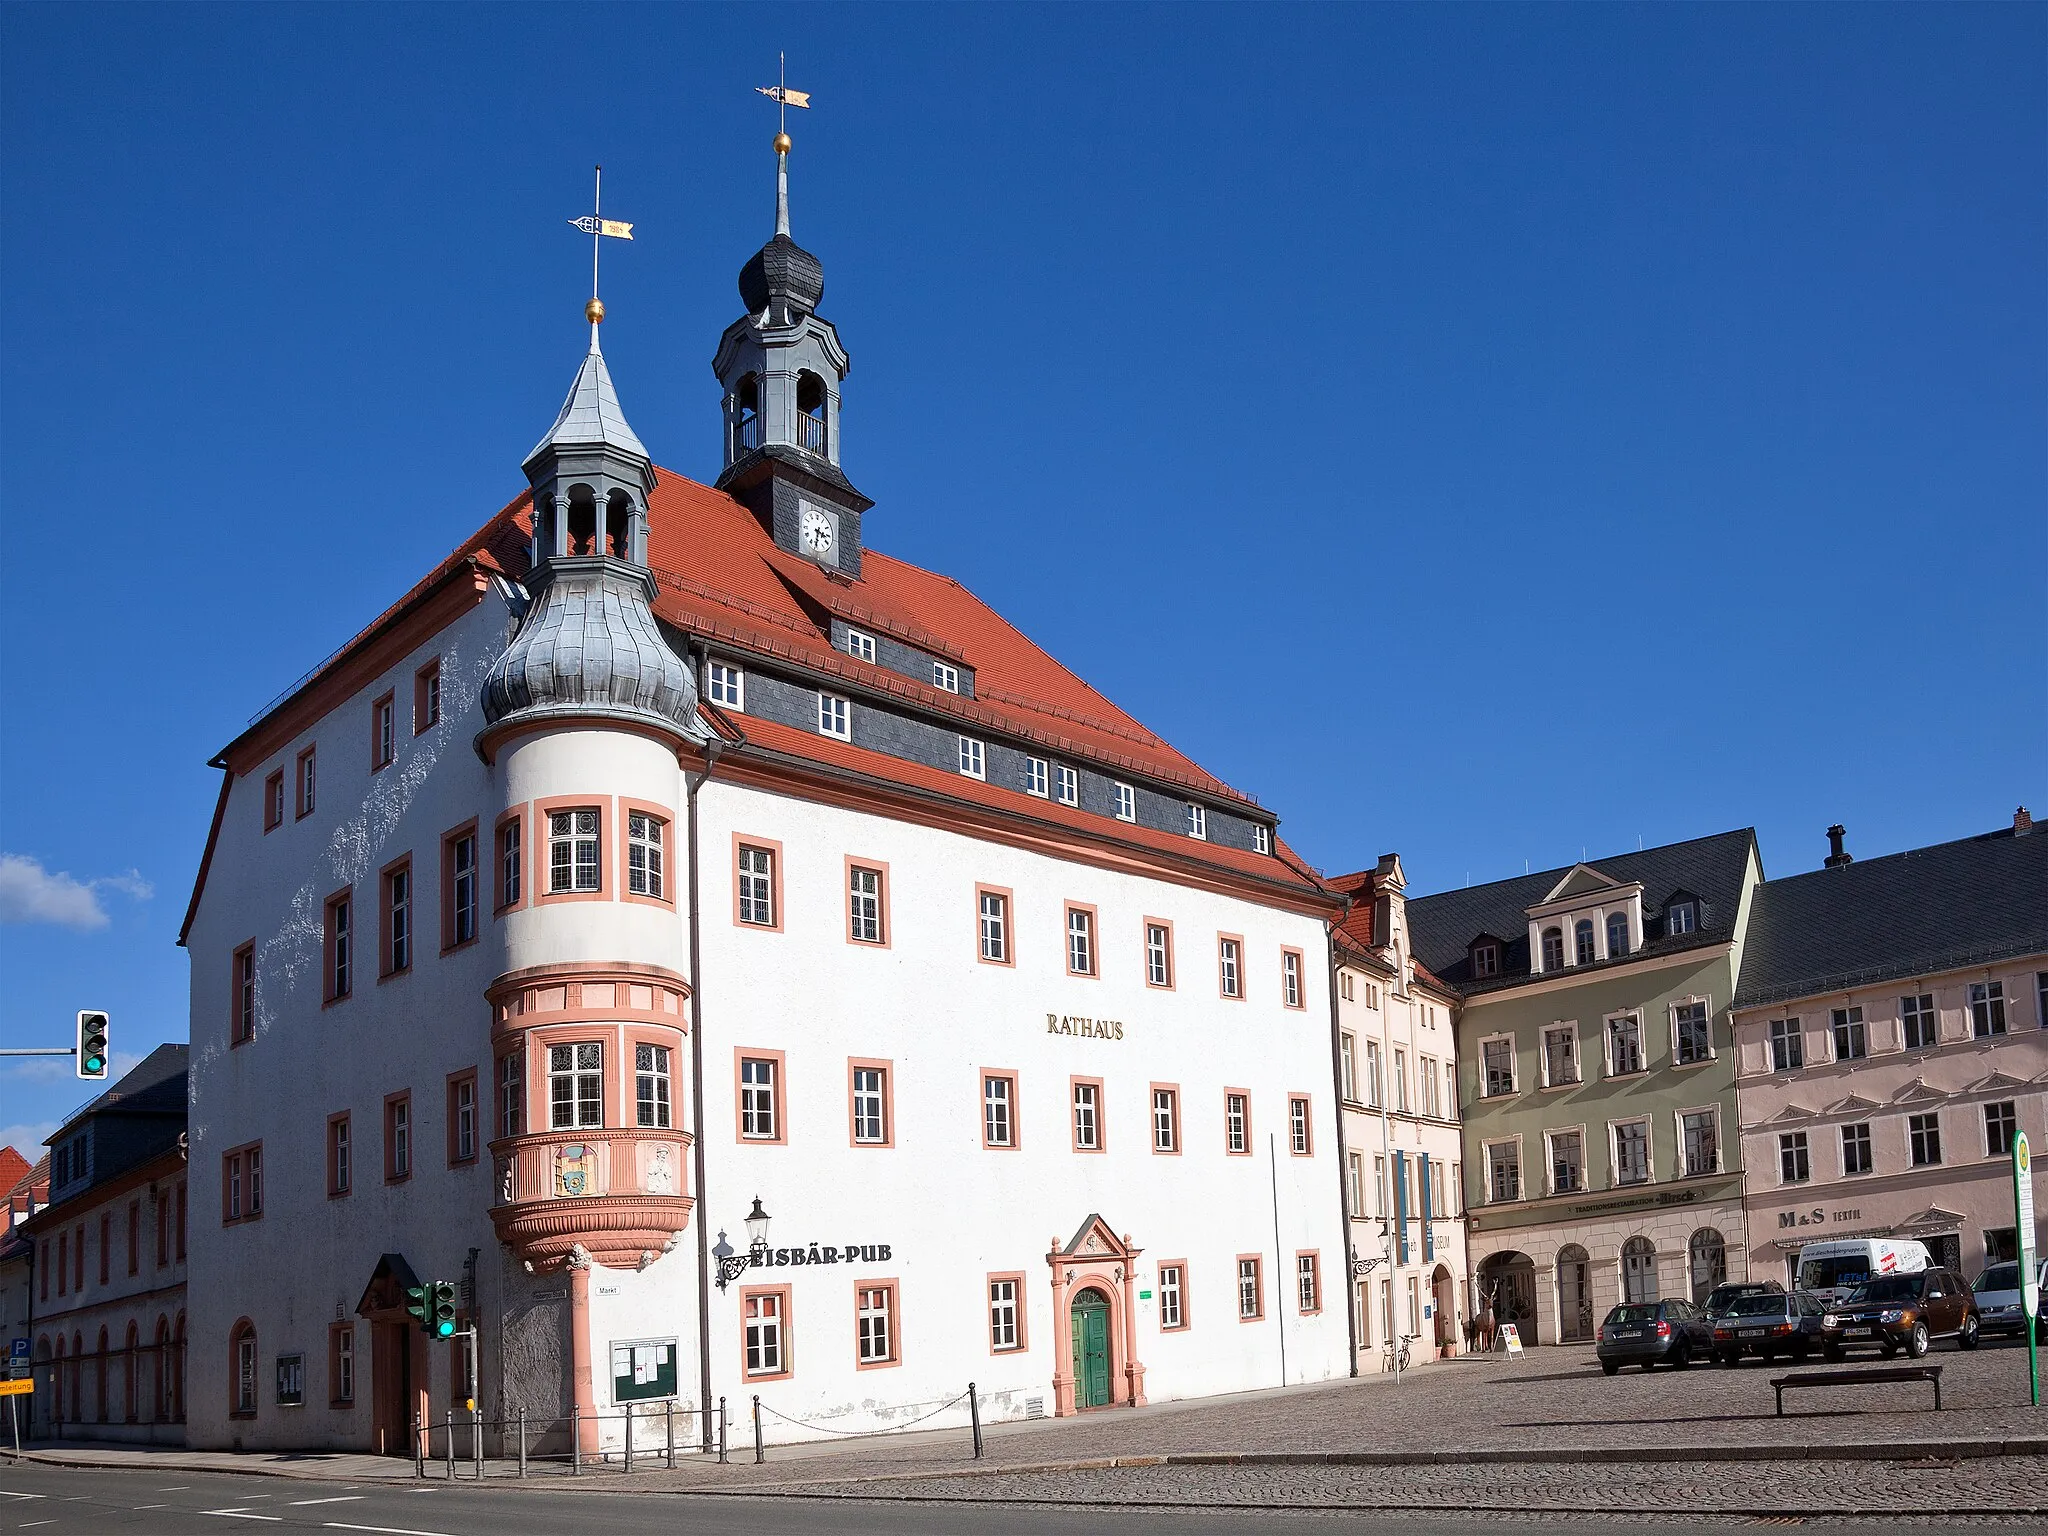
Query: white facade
(941,1214)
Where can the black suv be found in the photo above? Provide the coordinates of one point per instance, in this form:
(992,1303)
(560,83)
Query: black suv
(1906,1312)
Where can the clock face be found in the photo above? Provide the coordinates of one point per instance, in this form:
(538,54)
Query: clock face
(814,532)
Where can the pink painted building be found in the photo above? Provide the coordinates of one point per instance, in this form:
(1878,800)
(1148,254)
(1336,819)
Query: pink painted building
(1891,1031)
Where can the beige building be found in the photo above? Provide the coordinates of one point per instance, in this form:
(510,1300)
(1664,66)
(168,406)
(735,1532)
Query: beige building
(1398,1083)
(1889,1037)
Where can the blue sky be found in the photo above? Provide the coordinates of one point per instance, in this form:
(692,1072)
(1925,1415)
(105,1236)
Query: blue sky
(1482,432)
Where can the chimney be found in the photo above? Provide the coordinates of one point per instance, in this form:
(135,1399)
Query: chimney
(1836,857)
(2022,823)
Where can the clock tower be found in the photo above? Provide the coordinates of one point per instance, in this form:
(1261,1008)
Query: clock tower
(781,366)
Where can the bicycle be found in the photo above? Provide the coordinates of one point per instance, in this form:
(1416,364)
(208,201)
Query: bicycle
(1387,1351)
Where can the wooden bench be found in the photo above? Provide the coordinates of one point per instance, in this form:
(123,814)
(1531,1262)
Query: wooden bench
(1868,1377)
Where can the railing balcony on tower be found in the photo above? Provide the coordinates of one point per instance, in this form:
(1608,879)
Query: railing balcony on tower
(746,435)
(810,432)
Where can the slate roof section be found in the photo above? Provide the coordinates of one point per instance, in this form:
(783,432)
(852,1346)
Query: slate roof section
(1972,902)
(1710,869)
(591,416)
(153,1086)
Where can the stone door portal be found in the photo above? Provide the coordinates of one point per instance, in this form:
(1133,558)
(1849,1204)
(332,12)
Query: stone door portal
(1090,1326)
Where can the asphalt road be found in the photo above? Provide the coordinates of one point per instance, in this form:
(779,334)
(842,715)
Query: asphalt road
(60,1501)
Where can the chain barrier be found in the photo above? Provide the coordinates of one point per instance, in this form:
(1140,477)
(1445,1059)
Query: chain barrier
(868,1434)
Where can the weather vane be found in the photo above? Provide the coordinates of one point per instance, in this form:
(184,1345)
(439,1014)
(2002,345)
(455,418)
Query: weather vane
(784,98)
(597,228)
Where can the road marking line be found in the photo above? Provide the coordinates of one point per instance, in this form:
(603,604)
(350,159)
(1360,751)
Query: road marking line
(180,1488)
(152,1506)
(385,1530)
(34,1523)
(11,1494)
(237,1514)
(340,1498)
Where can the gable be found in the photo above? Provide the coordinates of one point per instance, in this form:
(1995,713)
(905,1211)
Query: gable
(1580,880)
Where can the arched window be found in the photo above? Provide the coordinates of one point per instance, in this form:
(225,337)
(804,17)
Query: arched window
(810,412)
(1582,942)
(1709,1262)
(1553,949)
(99,1372)
(746,415)
(1617,935)
(57,1383)
(583,528)
(1638,1270)
(618,526)
(130,1407)
(77,1378)
(242,1369)
(160,1398)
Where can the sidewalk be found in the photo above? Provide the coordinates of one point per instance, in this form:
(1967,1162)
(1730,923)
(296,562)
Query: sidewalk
(1549,1408)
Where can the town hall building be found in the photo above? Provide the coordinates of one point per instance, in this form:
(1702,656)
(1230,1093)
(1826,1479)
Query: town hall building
(746,965)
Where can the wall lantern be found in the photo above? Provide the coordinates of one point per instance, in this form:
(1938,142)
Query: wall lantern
(731,1264)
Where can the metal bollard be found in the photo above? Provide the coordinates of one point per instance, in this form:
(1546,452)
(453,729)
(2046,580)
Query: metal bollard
(522,1442)
(974,1418)
(476,1440)
(670,1431)
(721,1431)
(575,1440)
(419,1449)
(629,1437)
(449,1425)
(760,1455)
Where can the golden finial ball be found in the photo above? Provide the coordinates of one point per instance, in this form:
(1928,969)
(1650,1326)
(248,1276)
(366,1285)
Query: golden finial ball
(594,311)
(782,143)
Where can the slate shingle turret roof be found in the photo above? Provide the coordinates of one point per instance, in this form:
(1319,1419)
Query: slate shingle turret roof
(1709,869)
(591,416)
(1972,902)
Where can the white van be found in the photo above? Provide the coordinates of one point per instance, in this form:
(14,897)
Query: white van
(1832,1270)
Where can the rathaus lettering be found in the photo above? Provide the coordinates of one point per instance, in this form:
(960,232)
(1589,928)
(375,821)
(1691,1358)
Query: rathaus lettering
(1086,1029)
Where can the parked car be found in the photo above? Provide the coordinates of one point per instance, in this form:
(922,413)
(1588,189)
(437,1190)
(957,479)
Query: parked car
(1648,1333)
(1906,1312)
(1769,1323)
(1717,1304)
(1998,1300)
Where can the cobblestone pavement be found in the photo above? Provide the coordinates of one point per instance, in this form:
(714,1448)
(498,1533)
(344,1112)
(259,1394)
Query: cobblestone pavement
(2014,1486)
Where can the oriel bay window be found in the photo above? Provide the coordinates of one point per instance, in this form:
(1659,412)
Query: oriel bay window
(574,858)
(511,861)
(575,1085)
(644,872)
(512,1094)
(651,1086)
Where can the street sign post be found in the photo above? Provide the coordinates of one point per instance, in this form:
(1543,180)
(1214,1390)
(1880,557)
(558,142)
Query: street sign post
(2030,1290)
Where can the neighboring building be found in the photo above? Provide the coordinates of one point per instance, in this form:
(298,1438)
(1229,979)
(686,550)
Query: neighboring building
(515,961)
(1397,1063)
(1597,1078)
(1890,1040)
(108,1309)
(24,1190)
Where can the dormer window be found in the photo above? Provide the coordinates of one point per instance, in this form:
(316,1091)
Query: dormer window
(1617,935)
(1583,952)
(1553,949)
(1682,917)
(946,677)
(1485,960)
(860,646)
(1262,838)
(1198,822)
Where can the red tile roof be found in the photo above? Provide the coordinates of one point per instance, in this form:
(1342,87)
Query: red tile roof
(719,575)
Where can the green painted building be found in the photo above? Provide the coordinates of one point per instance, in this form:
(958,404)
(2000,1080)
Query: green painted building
(1596,1071)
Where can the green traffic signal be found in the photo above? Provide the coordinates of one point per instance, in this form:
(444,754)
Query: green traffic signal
(92,1044)
(444,1309)
(419,1305)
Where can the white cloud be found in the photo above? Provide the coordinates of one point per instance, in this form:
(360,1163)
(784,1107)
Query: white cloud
(27,1139)
(31,894)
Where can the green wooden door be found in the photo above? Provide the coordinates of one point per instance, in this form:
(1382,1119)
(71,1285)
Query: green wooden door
(1091,1350)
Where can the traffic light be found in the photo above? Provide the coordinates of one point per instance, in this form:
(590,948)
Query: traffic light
(419,1305)
(443,1325)
(92,1044)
